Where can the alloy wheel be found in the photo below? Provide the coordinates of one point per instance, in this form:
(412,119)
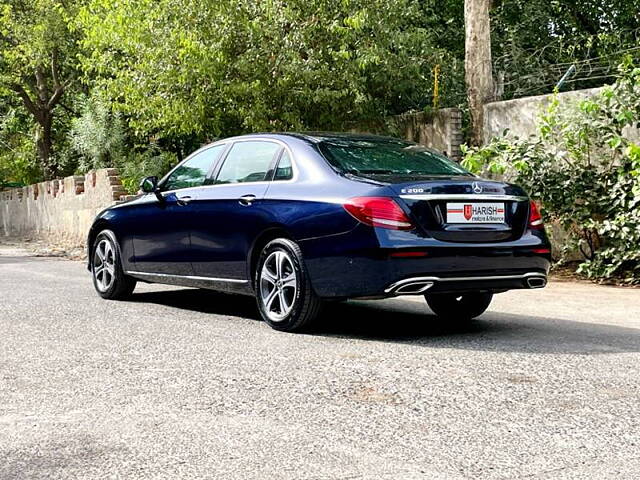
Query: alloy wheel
(278,285)
(104,269)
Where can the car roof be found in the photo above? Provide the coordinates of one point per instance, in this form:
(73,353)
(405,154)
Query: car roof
(317,137)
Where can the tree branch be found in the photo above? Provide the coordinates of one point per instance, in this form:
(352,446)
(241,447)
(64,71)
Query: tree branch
(55,98)
(54,68)
(28,103)
(59,88)
(8,39)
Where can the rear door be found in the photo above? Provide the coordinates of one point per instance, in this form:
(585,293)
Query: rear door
(230,214)
(466,210)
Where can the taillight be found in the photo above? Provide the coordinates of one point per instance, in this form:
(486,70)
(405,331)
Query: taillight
(535,219)
(378,212)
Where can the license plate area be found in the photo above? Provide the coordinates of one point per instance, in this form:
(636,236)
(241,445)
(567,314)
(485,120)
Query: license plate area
(472,213)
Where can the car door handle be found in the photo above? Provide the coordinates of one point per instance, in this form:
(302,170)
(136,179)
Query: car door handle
(182,201)
(247,200)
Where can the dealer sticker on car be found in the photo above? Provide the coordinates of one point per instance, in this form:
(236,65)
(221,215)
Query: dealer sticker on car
(475,212)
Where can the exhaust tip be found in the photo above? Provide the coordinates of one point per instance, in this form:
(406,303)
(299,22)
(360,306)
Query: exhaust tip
(414,288)
(536,282)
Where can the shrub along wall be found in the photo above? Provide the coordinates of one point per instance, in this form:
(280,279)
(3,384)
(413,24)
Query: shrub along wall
(59,211)
(583,165)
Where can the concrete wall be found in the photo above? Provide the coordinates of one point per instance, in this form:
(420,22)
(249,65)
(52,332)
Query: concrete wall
(59,211)
(441,130)
(519,116)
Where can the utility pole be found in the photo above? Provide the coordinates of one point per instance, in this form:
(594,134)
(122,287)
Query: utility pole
(477,63)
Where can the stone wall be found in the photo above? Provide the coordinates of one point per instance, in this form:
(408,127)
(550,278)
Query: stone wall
(441,130)
(59,211)
(519,116)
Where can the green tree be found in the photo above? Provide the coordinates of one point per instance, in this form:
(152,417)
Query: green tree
(183,67)
(17,149)
(535,41)
(98,135)
(37,64)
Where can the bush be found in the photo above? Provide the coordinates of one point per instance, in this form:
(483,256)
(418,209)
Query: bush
(99,139)
(138,165)
(97,135)
(585,173)
(18,161)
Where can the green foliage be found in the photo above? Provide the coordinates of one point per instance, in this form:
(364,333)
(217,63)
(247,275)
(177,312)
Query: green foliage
(137,165)
(97,135)
(183,67)
(585,172)
(17,163)
(17,149)
(31,33)
(535,41)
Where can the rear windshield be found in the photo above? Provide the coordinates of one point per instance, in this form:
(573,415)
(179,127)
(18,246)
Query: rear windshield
(387,157)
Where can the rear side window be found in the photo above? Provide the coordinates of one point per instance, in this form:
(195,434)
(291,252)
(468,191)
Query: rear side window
(284,170)
(194,171)
(247,162)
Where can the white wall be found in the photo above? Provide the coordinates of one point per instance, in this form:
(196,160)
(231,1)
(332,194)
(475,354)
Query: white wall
(59,211)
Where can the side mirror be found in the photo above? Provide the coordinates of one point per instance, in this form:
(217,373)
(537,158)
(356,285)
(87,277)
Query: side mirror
(149,184)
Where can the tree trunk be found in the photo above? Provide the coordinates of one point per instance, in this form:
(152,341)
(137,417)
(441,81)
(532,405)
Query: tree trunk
(40,104)
(477,63)
(45,144)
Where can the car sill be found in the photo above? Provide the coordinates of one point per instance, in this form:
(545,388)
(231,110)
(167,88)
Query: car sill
(134,273)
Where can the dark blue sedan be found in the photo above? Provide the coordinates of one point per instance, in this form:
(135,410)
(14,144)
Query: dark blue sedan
(298,219)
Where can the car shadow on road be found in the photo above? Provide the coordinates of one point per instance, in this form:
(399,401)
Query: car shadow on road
(204,301)
(411,322)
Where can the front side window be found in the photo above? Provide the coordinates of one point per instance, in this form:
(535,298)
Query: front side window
(387,157)
(194,171)
(247,162)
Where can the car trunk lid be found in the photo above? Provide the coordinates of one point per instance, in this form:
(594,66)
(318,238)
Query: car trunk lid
(465,209)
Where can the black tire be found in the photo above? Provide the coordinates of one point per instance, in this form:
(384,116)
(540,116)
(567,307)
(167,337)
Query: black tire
(459,307)
(115,285)
(303,304)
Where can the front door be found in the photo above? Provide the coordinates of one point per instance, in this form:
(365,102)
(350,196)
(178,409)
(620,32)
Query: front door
(230,214)
(162,232)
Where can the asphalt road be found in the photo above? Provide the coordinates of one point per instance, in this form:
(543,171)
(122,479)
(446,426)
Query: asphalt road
(181,383)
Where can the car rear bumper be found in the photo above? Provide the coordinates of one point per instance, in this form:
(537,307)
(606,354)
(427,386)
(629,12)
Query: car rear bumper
(356,265)
(420,285)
